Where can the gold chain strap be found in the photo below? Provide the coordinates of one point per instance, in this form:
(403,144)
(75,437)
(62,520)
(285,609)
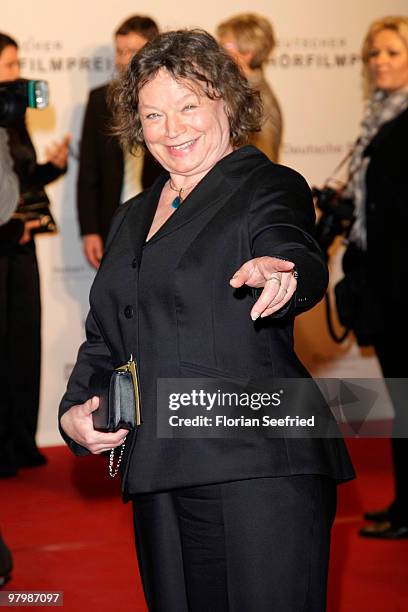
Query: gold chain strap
(114,471)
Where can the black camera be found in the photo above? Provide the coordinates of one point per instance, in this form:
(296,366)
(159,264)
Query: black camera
(16,96)
(337,215)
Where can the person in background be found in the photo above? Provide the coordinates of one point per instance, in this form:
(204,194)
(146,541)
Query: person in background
(20,320)
(9,193)
(249,39)
(108,176)
(379,186)
(202,277)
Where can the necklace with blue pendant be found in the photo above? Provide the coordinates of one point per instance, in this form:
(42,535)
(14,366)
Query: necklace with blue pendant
(179,198)
(177,201)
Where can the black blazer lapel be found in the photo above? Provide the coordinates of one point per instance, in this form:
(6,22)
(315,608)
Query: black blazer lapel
(224,178)
(221,181)
(140,216)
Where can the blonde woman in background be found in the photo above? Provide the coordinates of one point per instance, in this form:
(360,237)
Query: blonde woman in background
(250,40)
(378,184)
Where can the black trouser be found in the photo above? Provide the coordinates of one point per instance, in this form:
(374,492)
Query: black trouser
(391,353)
(260,544)
(20,355)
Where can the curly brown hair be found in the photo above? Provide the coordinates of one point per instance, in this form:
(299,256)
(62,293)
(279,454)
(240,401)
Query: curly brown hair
(193,56)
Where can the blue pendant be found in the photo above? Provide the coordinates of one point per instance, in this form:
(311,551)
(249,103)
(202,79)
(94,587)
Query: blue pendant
(176,202)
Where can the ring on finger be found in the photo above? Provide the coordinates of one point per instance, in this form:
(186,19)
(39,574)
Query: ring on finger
(276,279)
(274,302)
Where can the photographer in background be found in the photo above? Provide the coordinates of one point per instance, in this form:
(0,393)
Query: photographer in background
(8,203)
(378,185)
(20,320)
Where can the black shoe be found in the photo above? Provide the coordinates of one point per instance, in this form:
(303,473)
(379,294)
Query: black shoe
(385,531)
(7,471)
(4,578)
(378,516)
(6,563)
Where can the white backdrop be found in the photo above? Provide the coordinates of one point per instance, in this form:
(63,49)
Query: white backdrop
(315,74)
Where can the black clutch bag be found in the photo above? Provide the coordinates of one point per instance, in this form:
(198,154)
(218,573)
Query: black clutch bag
(35,206)
(119,400)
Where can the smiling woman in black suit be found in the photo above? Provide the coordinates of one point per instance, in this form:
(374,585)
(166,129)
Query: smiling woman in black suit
(220,524)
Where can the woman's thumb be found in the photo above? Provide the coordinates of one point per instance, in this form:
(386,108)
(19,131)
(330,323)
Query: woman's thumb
(92,404)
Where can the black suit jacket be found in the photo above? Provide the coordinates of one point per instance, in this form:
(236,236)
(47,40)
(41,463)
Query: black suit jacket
(244,207)
(387,219)
(101,168)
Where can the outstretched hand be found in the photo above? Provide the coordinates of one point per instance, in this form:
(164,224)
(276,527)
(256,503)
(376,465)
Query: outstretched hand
(276,276)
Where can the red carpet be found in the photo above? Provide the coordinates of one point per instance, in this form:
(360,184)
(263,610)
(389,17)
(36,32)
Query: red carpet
(70,532)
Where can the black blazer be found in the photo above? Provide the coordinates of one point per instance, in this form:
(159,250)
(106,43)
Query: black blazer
(244,207)
(387,217)
(101,168)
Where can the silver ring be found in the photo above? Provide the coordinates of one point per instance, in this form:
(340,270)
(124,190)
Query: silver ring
(275,278)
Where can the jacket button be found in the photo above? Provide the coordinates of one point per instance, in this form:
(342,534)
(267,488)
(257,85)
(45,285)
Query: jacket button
(134,263)
(128,312)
